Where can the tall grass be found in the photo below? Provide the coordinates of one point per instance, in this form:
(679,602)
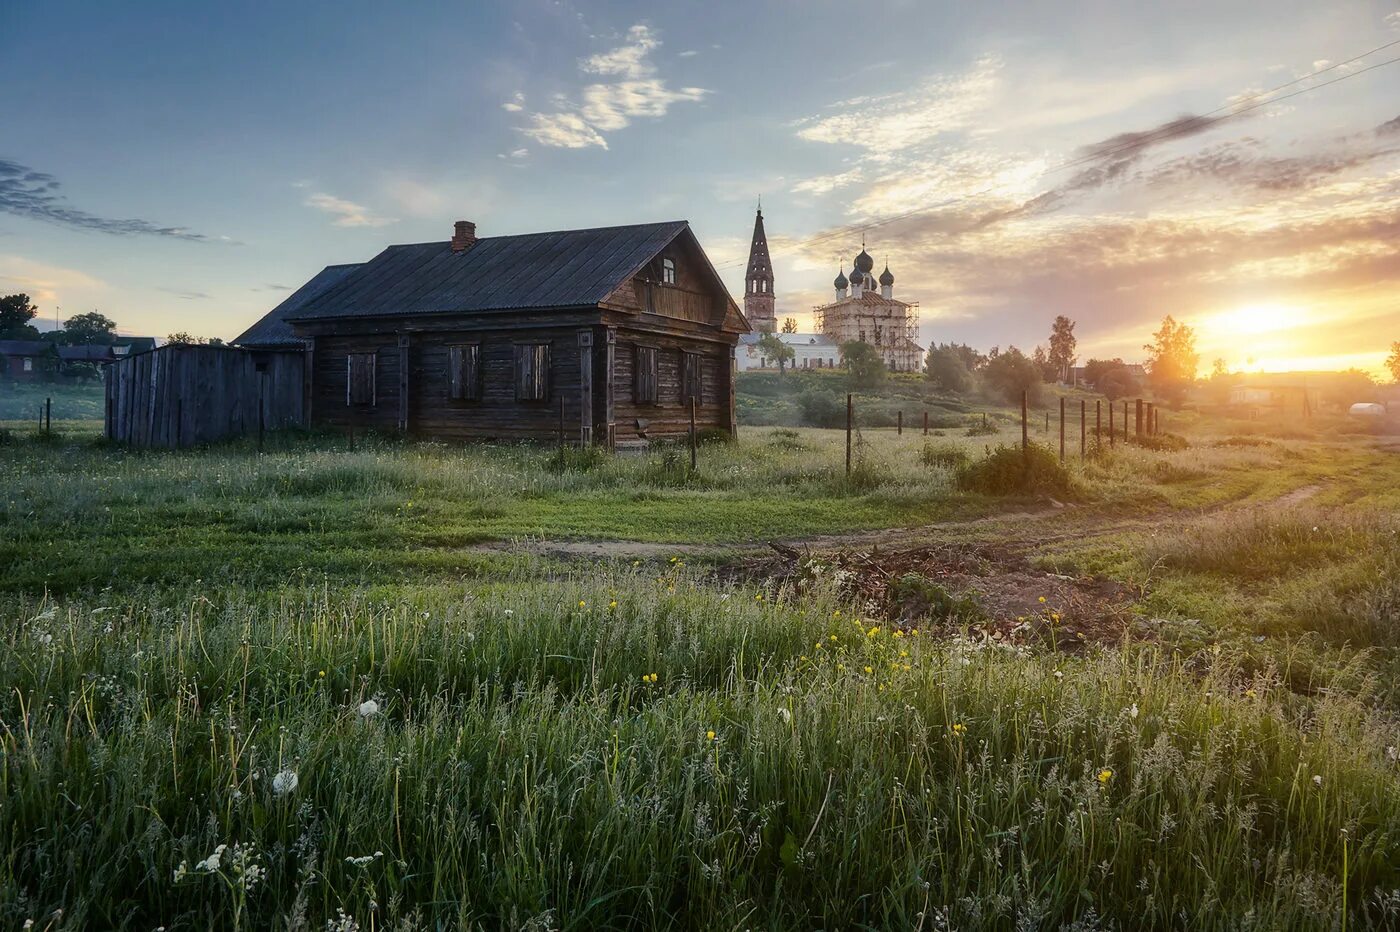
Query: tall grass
(634,749)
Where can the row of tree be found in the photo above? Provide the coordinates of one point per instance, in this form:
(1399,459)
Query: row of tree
(17,312)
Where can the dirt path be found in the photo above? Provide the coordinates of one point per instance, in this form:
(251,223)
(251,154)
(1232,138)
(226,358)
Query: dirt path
(1029,529)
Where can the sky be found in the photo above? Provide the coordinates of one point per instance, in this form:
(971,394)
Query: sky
(184,167)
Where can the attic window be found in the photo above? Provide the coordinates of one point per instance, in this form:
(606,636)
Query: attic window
(668,271)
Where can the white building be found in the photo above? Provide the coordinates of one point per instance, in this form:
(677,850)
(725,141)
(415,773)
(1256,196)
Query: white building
(810,351)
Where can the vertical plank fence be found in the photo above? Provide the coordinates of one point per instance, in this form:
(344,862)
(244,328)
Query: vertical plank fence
(181,395)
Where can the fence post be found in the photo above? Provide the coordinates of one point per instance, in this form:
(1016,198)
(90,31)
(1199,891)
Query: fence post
(899,423)
(925,423)
(692,434)
(48,416)
(561,429)
(1125,422)
(850,414)
(1083,428)
(1098,426)
(1047,422)
(1137,419)
(1111,441)
(1025,430)
(1062,429)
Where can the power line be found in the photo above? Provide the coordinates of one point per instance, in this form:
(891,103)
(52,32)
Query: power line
(1138,141)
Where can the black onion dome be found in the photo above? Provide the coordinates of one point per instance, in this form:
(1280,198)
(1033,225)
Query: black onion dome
(856,277)
(865,262)
(887,277)
(841,282)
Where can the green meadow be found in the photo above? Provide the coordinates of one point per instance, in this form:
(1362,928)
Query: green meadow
(416,686)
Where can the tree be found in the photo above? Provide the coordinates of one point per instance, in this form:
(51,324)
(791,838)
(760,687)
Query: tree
(90,328)
(1062,344)
(864,363)
(182,336)
(771,346)
(789,325)
(1172,360)
(945,368)
(1392,362)
(1041,359)
(16,311)
(1118,383)
(1096,369)
(1220,382)
(1012,372)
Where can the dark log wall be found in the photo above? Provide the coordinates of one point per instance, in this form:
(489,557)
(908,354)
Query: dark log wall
(179,396)
(430,412)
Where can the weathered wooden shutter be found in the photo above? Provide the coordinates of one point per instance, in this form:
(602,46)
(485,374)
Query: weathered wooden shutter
(359,379)
(532,372)
(464,372)
(646,375)
(690,378)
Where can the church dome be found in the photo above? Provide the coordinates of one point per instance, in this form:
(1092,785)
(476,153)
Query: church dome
(841,282)
(887,277)
(856,277)
(864,262)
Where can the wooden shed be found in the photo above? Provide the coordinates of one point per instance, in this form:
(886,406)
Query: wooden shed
(180,394)
(614,330)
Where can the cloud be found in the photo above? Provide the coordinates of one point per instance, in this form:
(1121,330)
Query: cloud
(346,213)
(515,104)
(1393,20)
(45,283)
(187,295)
(1389,127)
(688,53)
(606,107)
(33,194)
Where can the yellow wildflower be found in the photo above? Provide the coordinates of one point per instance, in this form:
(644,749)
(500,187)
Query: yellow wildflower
(1105,775)
(710,735)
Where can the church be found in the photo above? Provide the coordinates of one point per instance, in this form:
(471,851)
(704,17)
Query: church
(864,309)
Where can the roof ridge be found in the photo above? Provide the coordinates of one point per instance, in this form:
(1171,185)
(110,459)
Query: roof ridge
(601,229)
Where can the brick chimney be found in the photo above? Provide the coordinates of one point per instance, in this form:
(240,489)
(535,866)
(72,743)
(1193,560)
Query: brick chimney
(463,235)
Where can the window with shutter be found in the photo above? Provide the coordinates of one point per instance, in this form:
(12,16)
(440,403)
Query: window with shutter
(646,375)
(464,372)
(359,379)
(690,378)
(532,372)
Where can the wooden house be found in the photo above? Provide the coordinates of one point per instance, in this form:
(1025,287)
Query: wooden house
(27,360)
(609,333)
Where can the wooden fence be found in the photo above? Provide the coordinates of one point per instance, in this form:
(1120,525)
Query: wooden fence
(181,395)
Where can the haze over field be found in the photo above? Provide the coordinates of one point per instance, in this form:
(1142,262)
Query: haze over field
(184,168)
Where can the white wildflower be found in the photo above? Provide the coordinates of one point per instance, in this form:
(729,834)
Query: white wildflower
(369,708)
(285,782)
(785,714)
(1317,779)
(1391,754)
(1133,711)
(212,862)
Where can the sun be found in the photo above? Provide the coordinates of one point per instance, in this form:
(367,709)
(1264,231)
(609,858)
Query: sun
(1254,319)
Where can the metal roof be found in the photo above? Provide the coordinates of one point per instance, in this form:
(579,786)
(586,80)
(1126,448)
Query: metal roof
(25,347)
(273,329)
(87,352)
(567,268)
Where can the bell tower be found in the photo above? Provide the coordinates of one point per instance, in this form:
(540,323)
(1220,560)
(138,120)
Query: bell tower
(758,281)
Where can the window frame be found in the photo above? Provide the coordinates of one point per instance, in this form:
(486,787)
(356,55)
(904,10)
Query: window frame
(464,371)
(350,398)
(668,271)
(542,362)
(646,365)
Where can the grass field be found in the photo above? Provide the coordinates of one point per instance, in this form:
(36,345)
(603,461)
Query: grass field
(416,686)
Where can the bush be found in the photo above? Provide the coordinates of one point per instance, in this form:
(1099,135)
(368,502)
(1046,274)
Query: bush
(822,409)
(710,436)
(916,596)
(947,457)
(1164,443)
(1035,470)
(981,429)
(577,459)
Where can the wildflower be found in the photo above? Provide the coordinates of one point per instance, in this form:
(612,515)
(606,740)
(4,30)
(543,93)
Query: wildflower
(869,669)
(959,729)
(833,639)
(285,782)
(1391,753)
(1250,694)
(1317,779)
(368,708)
(636,562)
(1105,775)
(836,614)
(582,603)
(1042,600)
(710,735)
(322,674)
(1133,711)
(1059,675)
(212,862)
(785,714)
(612,604)
(758,597)
(873,631)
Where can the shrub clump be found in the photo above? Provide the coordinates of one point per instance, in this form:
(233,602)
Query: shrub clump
(947,457)
(916,597)
(1163,443)
(1032,470)
(584,458)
